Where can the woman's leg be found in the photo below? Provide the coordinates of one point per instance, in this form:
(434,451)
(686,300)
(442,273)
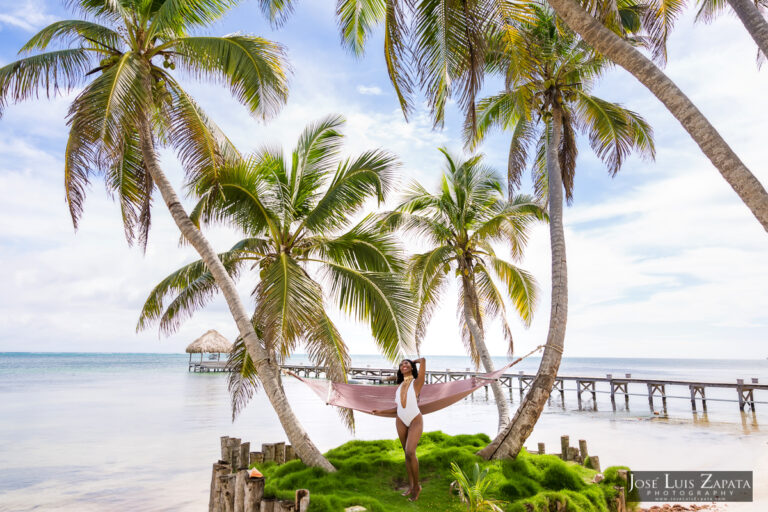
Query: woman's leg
(414,435)
(402,433)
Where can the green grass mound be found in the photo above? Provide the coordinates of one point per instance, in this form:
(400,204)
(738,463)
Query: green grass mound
(372,474)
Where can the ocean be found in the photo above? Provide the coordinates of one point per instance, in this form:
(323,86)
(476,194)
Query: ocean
(99,432)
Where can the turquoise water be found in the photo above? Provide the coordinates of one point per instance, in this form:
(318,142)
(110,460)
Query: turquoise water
(138,432)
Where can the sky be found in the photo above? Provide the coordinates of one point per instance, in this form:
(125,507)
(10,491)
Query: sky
(664,260)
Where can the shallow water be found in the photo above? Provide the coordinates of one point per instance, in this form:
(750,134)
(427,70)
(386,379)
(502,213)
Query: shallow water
(138,432)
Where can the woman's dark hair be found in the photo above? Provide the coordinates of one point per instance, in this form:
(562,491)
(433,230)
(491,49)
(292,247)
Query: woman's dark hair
(414,371)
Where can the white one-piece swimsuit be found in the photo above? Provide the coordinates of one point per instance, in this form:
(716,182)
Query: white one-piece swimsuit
(411,409)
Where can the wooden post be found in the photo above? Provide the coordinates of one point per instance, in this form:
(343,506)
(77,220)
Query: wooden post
(290,453)
(221,468)
(268,449)
(573,453)
(233,445)
(583,454)
(267,506)
(302,500)
(239,493)
(620,502)
(541,448)
(564,442)
(594,462)
(244,457)
(256,458)
(225,448)
(227,495)
(254,492)
(280,452)
(285,506)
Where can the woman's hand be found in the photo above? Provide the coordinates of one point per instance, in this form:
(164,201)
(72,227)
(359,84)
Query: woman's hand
(375,412)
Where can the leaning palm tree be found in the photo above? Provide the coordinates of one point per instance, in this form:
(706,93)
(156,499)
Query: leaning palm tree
(122,54)
(295,212)
(460,223)
(595,33)
(546,102)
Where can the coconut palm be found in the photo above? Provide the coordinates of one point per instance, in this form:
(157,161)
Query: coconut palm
(461,222)
(122,55)
(294,211)
(550,73)
(711,143)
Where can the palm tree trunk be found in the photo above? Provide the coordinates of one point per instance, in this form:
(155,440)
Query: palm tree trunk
(508,443)
(266,368)
(476,330)
(753,20)
(746,185)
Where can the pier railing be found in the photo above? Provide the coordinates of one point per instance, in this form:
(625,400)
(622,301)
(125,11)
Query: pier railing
(617,387)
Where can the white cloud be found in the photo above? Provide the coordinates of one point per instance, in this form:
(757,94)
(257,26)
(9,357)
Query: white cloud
(371,90)
(29,15)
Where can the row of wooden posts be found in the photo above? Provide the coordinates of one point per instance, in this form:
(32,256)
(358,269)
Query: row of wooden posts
(581,455)
(234,490)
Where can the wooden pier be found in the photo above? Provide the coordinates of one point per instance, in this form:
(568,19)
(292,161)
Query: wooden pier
(621,387)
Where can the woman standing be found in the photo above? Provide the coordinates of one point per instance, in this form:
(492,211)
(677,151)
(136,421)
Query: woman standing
(409,421)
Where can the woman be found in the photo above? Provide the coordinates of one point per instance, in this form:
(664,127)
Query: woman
(409,421)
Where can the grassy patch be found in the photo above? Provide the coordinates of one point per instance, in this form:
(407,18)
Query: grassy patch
(372,474)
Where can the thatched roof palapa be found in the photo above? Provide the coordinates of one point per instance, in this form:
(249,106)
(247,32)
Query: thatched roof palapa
(210,342)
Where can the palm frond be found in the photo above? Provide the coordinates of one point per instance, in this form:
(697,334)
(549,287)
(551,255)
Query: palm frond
(380,299)
(427,279)
(242,379)
(201,146)
(396,34)
(255,69)
(70,31)
(520,286)
(175,17)
(658,20)
(366,246)
(357,19)
(47,73)
(370,175)
(193,286)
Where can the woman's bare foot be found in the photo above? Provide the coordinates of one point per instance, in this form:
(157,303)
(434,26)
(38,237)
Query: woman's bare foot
(406,492)
(415,495)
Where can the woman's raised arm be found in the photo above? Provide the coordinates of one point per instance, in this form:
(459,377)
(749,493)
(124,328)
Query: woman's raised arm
(422,374)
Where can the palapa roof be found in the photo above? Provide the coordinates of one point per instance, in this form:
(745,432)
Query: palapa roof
(210,342)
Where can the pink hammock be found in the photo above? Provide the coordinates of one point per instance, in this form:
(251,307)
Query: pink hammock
(366,398)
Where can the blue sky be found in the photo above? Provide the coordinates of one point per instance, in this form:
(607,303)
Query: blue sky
(664,260)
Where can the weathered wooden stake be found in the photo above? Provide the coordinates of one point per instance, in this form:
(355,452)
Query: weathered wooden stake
(583,454)
(280,452)
(302,500)
(594,462)
(268,449)
(221,468)
(227,495)
(573,453)
(564,442)
(254,492)
(233,445)
(267,506)
(285,506)
(620,501)
(290,453)
(257,457)
(541,449)
(244,458)
(225,448)
(240,478)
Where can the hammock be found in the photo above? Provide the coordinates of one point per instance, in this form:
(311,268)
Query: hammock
(433,397)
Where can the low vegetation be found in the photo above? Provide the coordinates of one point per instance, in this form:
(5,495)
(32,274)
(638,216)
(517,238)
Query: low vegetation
(372,474)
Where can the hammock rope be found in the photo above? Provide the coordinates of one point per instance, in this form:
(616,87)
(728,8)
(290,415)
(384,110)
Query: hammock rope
(433,397)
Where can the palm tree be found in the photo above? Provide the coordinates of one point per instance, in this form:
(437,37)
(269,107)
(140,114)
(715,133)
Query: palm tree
(748,11)
(711,143)
(122,54)
(547,100)
(461,222)
(295,212)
